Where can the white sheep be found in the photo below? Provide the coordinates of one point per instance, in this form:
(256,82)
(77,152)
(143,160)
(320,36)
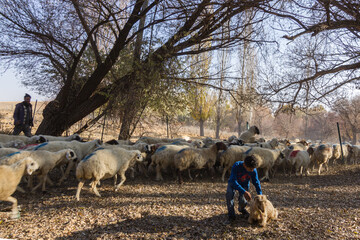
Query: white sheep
(10,177)
(103,164)
(7,151)
(231,155)
(300,145)
(272,144)
(163,158)
(354,153)
(17,143)
(81,149)
(321,156)
(197,158)
(269,158)
(75,136)
(300,159)
(249,135)
(27,140)
(153,140)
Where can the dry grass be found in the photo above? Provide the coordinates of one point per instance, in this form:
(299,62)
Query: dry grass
(316,207)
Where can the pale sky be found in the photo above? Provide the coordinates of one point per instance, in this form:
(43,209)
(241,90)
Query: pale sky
(12,90)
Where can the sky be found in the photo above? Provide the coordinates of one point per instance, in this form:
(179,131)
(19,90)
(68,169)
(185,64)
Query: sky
(12,90)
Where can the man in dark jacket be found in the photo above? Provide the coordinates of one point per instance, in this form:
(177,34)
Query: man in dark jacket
(23,119)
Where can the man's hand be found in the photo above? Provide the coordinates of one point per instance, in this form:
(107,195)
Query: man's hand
(247,196)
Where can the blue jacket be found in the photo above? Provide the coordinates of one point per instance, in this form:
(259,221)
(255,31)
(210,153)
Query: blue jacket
(240,178)
(19,114)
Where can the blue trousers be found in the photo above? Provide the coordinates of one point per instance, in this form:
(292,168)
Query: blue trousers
(230,192)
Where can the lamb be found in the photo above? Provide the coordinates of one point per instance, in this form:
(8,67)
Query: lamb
(105,163)
(10,177)
(27,140)
(197,158)
(354,153)
(262,210)
(81,149)
(75,136)
(321,156)
(249,135)
(163,158)
(230,156)
(298,158)
(337,153)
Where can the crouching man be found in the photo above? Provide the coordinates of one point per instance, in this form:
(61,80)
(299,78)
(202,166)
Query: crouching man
(241,173)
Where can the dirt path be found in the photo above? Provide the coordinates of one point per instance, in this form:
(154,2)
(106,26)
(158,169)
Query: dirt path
(317,207)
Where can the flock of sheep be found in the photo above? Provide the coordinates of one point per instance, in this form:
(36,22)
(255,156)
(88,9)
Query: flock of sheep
(22,157)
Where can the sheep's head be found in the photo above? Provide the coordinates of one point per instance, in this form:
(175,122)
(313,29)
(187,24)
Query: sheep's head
(71,155)
(254,129)
(31,165)
(221,146)
(138,156)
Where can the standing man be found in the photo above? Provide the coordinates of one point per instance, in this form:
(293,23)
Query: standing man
(241,173)
(23,119)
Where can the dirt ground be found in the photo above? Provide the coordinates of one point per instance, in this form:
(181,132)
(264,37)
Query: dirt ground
(314,207)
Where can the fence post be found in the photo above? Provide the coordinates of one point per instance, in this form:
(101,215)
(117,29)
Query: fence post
(342,153)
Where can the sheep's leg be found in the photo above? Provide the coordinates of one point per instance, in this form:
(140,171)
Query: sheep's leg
(123,178)
(80,185)
(179,176)
(142,169)
(115,179)
(132,172)
(250,220)
(30,182)
(44,183)
(41,179)
(319,171)
(223,174)
(158,173)
(67,172)
(14,211)
(190,174)
(95,182)
(20,189)
(49,181)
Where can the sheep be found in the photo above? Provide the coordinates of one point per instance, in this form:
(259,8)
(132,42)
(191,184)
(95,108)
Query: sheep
(47,161)
(7,151)
(118,142)
(262,210)
(75,136)
(337,153)
(105,163)
(354,153)
(272,144)
(153,140)
(27,140)
(17,143)
(163,158)
(249,135)
(298,158)
(81,149)
(321,156)
(268,157)
(230,156)
(10,177)
(300,145)
(197,158)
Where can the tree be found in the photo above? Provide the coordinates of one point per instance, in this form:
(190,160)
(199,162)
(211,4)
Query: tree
(349,113)
(333,30)
(55,37)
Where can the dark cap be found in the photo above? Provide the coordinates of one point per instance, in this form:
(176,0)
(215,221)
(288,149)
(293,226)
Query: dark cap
(27,95)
